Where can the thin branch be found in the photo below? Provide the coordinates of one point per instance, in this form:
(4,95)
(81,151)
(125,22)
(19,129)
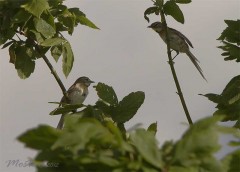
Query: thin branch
(52,71)
(171,63)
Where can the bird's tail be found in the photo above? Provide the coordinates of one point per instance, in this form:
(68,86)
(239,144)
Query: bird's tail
(195,61)
(61,122)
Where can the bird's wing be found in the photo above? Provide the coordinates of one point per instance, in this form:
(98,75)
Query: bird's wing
(183,36)
(69,91)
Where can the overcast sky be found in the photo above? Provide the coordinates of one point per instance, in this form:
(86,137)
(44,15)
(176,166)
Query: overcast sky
(130,57)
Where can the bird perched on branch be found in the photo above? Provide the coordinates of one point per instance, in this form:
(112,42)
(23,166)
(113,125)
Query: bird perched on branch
(178,42)
(77,93)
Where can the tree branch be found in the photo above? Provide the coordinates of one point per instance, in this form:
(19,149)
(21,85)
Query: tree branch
(52,71)
(171,63)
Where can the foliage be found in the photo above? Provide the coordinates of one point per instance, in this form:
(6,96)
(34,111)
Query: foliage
(228,102)
(32,28)
(231,40)
(94,138)
(170,8)
(87,144)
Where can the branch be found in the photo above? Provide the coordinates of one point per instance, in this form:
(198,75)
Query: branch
(52,71)
(171,63)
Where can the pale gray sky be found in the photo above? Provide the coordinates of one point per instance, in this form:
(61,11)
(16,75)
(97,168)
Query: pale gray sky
(130,57)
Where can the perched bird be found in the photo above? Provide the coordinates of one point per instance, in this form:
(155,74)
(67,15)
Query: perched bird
(77,93)
(178,42)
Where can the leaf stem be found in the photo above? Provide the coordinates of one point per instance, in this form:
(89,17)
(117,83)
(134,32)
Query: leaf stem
(171,63)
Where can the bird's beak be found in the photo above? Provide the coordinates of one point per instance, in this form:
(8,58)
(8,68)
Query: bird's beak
(149,26)
(91,81)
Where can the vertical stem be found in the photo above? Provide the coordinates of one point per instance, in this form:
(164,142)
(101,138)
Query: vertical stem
(171,63)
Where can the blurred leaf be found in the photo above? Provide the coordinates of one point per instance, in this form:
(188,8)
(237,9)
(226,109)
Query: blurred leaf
(128,107)
(231,161)
(39,138)
(56,52)
(68,59)
(85,131)
(44,28)
(183,1)
(198,144)
(172,9)
(151,10)
(21,16)
(146,145)
(36,7)
(52,42)
(106,93)
(153,128)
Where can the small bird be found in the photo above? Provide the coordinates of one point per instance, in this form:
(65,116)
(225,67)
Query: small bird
(178,42)
(77,93)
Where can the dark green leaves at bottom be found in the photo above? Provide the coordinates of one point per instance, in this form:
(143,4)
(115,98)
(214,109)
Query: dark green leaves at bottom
(172,9)
(128,107)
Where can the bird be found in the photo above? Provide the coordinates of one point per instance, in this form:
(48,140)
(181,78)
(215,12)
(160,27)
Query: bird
(178,42)
(77,93)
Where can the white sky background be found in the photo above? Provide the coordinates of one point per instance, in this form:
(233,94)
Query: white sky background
(130,57)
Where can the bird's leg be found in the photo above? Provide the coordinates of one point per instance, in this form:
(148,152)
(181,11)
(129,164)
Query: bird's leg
(175,55)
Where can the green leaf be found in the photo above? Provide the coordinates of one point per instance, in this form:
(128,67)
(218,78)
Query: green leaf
(106,93)
(56,52)
(44,28)
(21,16)
(39,138)
(146,145)
(183,1)
(65,109)
(36,7)
(231,51)
(85,21)
(231,161)
(24,62)
(172,9)
(153,128)
(128,107)
(68,59)
(228,102)
(52,42)
(198,144)
(231,33)
(79,133)
(151,10)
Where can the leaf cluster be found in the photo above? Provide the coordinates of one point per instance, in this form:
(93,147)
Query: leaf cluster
(169,8)
(87,144)
(230,38)
(31,28)
(228,102)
